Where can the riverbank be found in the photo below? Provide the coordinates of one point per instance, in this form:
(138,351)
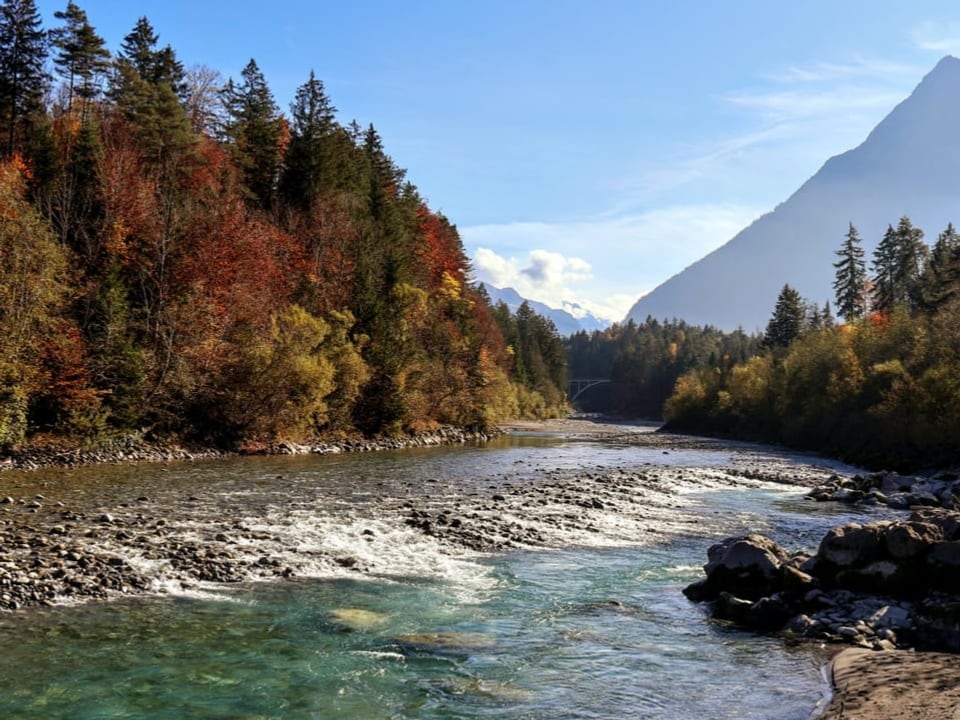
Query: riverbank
(893,685)
(133,449)
(64,541)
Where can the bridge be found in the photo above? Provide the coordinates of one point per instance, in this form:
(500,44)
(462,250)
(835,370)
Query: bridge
(576,388)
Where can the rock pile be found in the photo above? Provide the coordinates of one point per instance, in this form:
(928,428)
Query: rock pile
(891,489)
(879,585)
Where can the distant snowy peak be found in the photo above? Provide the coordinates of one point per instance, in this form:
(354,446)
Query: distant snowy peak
(570,319)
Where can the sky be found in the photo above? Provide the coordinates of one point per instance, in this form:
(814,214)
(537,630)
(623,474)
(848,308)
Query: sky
(586,150)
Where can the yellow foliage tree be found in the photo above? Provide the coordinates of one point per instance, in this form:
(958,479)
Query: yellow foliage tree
(32,266)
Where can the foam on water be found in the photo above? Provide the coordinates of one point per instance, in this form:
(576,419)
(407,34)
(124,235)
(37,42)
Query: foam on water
(383,619)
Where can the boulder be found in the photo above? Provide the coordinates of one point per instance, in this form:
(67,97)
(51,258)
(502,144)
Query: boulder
(853,544)
(894,483)
(947,520)
(906,540)
(796,581)
(748,567)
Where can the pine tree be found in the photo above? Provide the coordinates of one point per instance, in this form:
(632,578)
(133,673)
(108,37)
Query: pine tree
(787,322)
(254,128)
(941,277)
(851,277)
(911,262)
(884,295)
(144,89)
(23,76)
(308,165)
(82,58)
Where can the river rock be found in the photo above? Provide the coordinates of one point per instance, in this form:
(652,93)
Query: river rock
(908,539)
(877,585)
(748,567)
(852,544)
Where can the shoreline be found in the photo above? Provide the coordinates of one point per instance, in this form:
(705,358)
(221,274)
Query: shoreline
(46,560)
(892,685)
(130,449)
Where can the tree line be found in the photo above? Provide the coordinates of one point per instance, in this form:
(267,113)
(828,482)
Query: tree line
(881,388)
(643,362)
(180,257)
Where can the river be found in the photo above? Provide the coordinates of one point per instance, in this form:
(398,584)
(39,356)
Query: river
(537,576)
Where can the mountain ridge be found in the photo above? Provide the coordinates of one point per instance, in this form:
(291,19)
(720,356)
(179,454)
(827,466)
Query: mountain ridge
(570,319)
(907,165)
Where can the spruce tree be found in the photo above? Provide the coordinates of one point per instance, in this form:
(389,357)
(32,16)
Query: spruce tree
(884,291)
(253,127)
(23,76)
(788,319)
(82,58)
(308,166)
(144,89)
(898,265)
(911,261)
(851,277)
(154,66)
(941,277)
(139,47)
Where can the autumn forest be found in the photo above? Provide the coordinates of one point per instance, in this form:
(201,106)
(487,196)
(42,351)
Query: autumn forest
(179,257)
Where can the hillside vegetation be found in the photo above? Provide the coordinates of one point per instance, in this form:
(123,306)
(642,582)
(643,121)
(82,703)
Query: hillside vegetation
(881,389)
(181,258)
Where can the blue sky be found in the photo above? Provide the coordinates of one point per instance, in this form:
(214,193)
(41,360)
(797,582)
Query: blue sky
(587,150)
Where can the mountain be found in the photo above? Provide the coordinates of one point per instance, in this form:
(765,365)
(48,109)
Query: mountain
(572,318)
(908,165)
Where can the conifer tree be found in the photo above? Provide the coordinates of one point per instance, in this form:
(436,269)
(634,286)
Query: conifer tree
(787,322)
(23,54)
(911,261)
(144,88)
(884,293)
(82,58)
(851,276)
(941,277)
(139,49)
(254,128)
(898,264)
(308,166)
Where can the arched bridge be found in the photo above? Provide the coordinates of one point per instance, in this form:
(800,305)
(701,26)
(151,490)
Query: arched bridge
(576,388)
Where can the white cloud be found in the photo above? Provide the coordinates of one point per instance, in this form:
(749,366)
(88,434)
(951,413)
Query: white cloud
(603,264)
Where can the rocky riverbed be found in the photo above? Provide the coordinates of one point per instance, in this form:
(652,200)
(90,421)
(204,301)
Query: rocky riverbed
(60,542)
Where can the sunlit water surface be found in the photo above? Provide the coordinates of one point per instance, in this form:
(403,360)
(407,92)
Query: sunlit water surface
(585,631)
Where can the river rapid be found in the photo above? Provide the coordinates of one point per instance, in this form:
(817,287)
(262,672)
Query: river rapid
(535,576)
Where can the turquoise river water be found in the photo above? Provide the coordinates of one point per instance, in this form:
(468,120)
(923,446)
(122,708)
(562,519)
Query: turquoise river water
(583,627)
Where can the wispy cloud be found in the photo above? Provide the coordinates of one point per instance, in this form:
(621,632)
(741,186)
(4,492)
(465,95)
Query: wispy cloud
(856,67)
(943,38)
(814,110)
(784,105)
(795,117)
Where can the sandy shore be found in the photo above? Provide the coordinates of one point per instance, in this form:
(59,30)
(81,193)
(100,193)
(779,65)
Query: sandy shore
(896,685)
